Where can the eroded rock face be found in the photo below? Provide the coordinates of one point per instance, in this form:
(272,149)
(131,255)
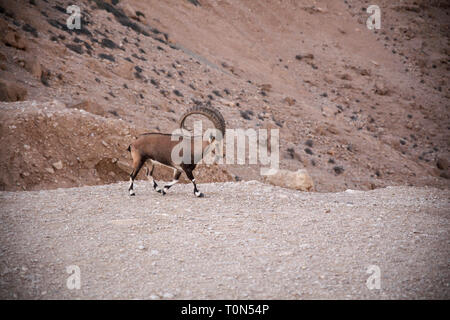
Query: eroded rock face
(298,180)
(52,145)
(10,91)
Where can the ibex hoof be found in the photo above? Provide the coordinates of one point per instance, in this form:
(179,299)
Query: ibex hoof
(199,194)
(161,191)
(132,194)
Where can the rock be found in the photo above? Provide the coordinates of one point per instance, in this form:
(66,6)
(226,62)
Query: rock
(178,93)
(75,48)
(332,129)
(406,7)
(10,91)
(89,106)
(445,175)
(58,165)
(381,89)
(309,143)
(345,76)
(141,18)
(97,67)
(4,25)
(15,40)
(290,101)
(227,103)
(266,87)
(308,56)
(442,163)
(107,43)
(298,180)
(50,170)
(33,66)
(125,70)
(195,2)
(45,76)
(123,166)
(246,114)
(107,57)
(328,112)
(338,169)
(128,10)
(292,154)
(314,9)
(28,28)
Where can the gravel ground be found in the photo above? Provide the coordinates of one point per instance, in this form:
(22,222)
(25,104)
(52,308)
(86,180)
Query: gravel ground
(244,240)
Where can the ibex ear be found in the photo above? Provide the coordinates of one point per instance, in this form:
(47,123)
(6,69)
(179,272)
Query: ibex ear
(211,138)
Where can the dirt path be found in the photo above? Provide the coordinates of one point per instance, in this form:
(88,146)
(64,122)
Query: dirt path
(244,240)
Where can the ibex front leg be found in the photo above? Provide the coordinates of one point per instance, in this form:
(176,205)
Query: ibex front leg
(191,177)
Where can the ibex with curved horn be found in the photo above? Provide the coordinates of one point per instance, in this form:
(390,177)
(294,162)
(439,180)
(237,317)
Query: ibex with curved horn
(158,147)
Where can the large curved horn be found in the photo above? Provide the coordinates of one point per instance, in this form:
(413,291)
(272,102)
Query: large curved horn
(208,111)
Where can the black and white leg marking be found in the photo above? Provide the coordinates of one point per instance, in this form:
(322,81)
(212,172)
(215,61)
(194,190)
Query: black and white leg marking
(130,188)
(176,177)
(197,193)
(155,185)
(167,186)
(133,176)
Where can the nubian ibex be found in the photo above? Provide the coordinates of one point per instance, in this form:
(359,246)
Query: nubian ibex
(158,147)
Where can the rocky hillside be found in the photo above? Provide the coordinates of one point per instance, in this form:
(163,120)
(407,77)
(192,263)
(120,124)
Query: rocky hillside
(357,108)
(79,148)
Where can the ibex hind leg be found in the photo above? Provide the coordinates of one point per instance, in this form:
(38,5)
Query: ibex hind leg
(137,165)
(176,177)
(150,178)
